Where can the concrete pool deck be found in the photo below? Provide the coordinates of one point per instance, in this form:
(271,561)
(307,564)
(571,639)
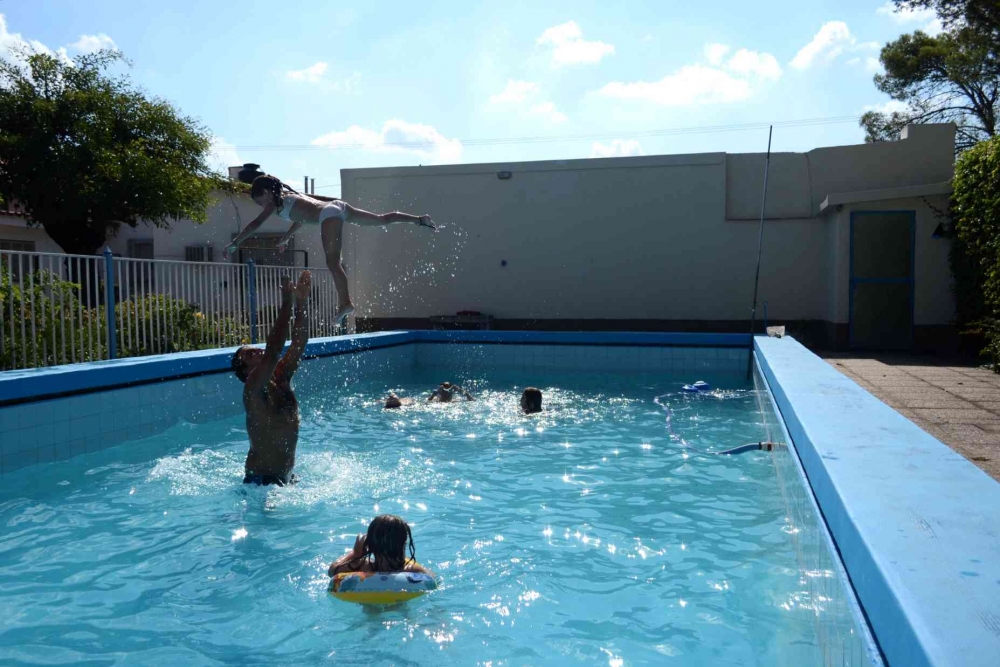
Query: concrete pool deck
(957,404)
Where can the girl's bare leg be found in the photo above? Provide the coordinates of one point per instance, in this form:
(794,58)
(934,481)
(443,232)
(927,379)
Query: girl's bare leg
(332,233)
(368,219)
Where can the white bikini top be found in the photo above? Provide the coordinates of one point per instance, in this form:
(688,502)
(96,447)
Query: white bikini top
(287,201)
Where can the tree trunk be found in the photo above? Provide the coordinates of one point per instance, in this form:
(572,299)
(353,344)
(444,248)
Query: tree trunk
(80,238)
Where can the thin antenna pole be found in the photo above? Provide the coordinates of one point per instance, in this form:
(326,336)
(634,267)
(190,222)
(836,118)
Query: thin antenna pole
(760,245)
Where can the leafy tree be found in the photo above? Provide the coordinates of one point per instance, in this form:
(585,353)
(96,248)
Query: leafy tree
(84,152)
(954,77)
(981,15)
(975,210)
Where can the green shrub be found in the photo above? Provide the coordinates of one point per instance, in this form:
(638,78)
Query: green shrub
(976,247)
(57,328)
(159,324)
(60,328)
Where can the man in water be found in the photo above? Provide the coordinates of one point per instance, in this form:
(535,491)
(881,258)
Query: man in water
(272,410)
(393,401)
(446,391)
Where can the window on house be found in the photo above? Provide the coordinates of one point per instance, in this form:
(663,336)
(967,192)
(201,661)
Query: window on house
(22,246)
(199,253)
(140,249)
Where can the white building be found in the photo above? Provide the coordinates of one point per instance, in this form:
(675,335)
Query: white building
(668,242)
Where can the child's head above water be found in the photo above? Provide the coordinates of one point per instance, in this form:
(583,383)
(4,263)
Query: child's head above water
(386,543)
(531,400)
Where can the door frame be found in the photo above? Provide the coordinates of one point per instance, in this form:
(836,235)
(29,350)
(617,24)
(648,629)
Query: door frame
(852,281)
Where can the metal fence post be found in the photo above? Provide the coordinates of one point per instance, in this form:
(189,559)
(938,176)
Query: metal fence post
(252,279)
(109,302)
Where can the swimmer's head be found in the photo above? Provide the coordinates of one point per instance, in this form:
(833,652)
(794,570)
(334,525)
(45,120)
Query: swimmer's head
(387,541)
(245,360)
(266,190)
(392,401)
(531,400)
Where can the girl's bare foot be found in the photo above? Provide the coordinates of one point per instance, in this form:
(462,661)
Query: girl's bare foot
(342,314)
(425,221)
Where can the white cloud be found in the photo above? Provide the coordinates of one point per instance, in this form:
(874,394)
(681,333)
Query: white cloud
(311,74)
(691,84)
(907,16)
(222,155)
(14,40)
(396,136)
(516,92)
(717,83)
(316,76)
(617,148)
(93,43)
(569,47)
(870,64)
(832,39)
(749,62)
(715,53)
(548,110)
(86,44)
(892,106)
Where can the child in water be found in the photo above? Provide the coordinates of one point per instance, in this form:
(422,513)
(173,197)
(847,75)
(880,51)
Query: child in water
(383,549)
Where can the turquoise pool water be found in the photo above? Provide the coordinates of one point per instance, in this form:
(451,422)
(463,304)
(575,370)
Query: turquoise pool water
(584,535)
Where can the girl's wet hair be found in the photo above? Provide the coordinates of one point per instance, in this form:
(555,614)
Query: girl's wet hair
(385,545)
(271,185)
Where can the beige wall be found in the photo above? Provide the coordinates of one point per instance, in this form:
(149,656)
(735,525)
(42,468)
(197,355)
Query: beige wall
(657,237)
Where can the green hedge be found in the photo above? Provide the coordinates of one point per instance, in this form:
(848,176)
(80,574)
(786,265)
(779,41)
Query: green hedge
(975,254)
(57,323)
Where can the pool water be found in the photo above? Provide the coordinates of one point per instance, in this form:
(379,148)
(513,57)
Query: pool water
(586,534)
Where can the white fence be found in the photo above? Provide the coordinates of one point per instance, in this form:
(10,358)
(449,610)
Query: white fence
(54,308)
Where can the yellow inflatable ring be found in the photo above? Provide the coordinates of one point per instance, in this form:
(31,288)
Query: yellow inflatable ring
(380,587)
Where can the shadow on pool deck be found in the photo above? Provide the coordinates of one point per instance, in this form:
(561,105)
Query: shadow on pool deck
(958,404)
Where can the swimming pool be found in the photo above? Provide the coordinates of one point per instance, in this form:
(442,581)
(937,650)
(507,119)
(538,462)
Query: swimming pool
(586,534)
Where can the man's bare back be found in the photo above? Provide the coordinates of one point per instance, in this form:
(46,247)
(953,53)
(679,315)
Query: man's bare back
(271,406)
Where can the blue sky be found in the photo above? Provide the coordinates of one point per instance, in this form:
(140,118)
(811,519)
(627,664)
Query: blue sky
(313,87)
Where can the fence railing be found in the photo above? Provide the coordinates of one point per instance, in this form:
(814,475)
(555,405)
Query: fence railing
(60,309)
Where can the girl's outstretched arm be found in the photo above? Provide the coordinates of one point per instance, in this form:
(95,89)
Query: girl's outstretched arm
(296,226)
(249,230)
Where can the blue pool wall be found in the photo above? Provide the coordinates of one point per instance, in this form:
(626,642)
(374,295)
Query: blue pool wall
(916,525)
(55,413)
(825,584)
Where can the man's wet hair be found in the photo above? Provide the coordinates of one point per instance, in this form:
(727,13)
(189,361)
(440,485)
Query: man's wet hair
(239,365)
